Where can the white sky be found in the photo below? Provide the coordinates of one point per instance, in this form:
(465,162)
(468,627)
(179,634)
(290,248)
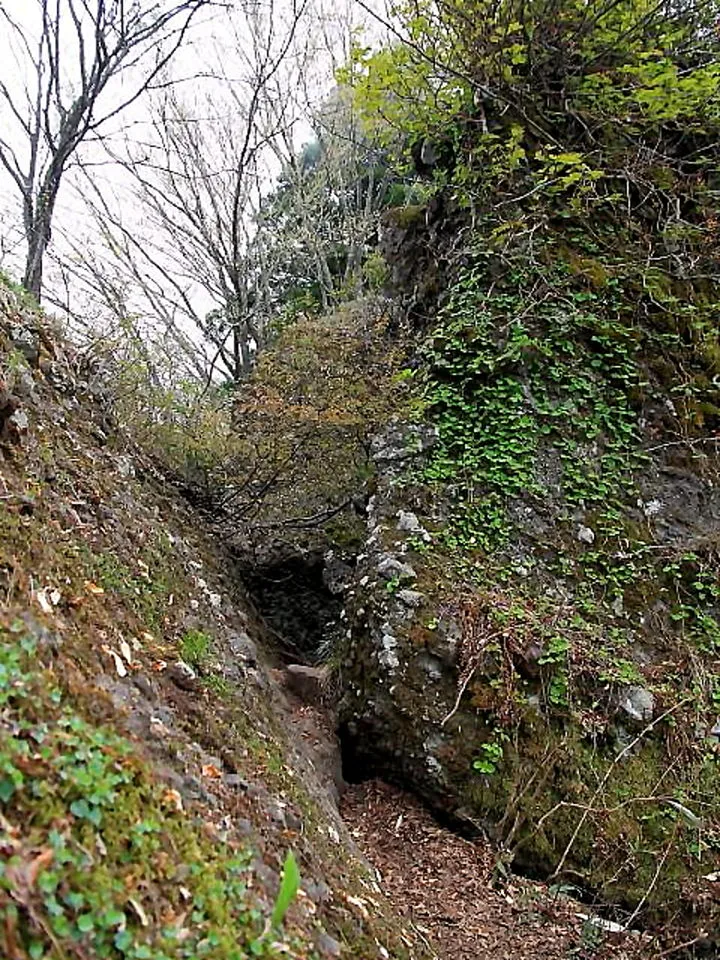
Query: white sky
(216,39)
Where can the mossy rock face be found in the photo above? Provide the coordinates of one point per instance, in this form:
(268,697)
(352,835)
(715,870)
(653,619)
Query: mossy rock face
(597,805)
(551,671)
(574,729)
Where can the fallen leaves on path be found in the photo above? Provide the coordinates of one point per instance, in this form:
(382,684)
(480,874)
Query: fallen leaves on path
(443,885)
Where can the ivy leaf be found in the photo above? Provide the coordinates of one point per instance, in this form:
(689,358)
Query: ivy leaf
(7,789)
(86,923)
(81,809)
(122,941)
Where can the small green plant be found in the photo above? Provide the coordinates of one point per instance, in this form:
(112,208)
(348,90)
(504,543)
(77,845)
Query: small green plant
(393,585)
(289,886)
(491,755)
(624,672)
(218,685)
(195,647)
(555,655)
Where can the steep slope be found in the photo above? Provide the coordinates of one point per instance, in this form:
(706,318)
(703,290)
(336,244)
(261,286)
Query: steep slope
(152,773)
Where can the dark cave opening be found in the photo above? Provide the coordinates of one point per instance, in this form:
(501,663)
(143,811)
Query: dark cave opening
(302,613)
(356,765)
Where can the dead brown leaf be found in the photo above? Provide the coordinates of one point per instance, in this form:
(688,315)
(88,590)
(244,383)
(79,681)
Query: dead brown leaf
(210,771)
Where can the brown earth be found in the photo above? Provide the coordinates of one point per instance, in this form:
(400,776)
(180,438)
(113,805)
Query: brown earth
(451,892)
(448,890)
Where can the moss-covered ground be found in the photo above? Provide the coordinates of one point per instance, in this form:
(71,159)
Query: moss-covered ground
(140,818)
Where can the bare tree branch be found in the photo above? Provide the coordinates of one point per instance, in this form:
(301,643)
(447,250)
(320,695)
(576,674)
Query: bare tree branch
(103,40)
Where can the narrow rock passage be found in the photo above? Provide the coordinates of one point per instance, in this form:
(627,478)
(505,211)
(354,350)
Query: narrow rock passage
(442,884)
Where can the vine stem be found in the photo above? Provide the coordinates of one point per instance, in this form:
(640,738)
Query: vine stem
(468,678)
(654,880)
(461,691)
(616,761)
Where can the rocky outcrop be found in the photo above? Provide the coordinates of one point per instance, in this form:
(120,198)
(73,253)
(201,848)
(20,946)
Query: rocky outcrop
(453,690)
(402,654)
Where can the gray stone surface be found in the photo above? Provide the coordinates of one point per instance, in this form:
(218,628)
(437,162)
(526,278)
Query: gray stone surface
(244,648)
(391,568)
(638,703)
(308,683)
(403,441)
(182,675)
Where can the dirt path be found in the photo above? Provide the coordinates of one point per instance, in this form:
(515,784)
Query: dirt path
(443,885)
(446,887)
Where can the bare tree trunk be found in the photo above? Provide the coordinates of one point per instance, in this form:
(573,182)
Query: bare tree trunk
(33,276)
(72,50)
(38,240)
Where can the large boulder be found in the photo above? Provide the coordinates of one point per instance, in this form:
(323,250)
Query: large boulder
(475,698)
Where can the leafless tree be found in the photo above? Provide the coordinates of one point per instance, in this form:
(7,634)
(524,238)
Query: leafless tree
(224,210)
(72,55)
(198,178)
